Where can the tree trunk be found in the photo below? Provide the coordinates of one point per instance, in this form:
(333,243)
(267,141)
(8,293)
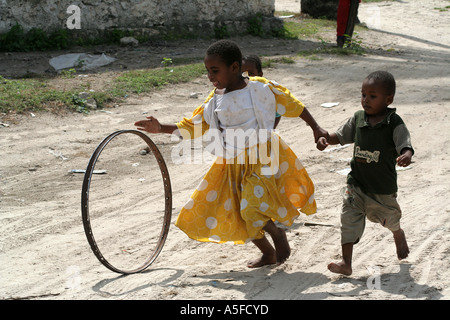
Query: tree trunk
(320,8)
(352,17)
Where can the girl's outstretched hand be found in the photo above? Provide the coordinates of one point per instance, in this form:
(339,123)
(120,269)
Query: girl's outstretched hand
(151,125)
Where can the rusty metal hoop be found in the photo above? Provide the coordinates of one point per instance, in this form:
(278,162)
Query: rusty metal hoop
(85,201)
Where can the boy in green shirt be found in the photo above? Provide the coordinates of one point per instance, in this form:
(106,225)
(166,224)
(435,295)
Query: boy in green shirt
(381,141)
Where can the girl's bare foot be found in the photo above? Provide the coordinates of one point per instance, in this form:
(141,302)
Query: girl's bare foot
(401,244)
(340,268)
(282,247)
(268,254)
(264,260)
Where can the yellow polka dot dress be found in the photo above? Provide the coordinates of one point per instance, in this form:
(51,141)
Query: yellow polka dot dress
(235,199)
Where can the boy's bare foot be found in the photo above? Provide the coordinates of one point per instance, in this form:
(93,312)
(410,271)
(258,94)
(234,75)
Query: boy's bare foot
(340,268)
(401,244)
(264,260)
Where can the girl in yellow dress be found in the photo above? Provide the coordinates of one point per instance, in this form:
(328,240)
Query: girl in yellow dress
(256,178)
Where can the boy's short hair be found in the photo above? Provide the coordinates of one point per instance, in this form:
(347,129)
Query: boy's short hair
(227,50)
(255,59)
(385,79)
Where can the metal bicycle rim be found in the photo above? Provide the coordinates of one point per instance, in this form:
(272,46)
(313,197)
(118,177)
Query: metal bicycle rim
(85,202)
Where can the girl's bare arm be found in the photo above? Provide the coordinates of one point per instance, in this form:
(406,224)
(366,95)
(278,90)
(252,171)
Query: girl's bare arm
(152,125)
(317,130)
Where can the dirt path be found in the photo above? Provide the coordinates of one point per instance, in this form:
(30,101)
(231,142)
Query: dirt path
(43,249)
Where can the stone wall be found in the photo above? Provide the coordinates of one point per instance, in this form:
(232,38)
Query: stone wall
(151,17)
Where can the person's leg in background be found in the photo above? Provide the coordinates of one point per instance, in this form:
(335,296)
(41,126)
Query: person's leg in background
(342,18)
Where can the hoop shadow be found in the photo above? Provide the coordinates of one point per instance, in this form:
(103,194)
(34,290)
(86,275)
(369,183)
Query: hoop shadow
(99,287)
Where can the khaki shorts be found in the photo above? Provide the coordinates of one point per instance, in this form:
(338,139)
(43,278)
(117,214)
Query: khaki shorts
(357,205)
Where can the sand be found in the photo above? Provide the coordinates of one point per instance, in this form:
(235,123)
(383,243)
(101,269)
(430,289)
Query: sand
(44,253)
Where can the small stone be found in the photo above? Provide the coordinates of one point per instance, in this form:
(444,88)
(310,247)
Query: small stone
(129,42)
(91,103)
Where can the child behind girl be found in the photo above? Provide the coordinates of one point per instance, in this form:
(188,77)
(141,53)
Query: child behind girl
(252,67)
(241,196)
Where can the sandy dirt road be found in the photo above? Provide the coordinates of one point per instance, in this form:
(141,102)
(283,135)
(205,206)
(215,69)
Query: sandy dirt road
(44,253)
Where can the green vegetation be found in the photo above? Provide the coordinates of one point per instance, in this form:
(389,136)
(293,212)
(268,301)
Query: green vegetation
(446,8)
(28,94)
(37,94)
(270,63)
(352,46)
(16,39)
(308,27)
(255,26)
(139,81)
(377,0)
(34,40)
(166,63)
(221,32)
